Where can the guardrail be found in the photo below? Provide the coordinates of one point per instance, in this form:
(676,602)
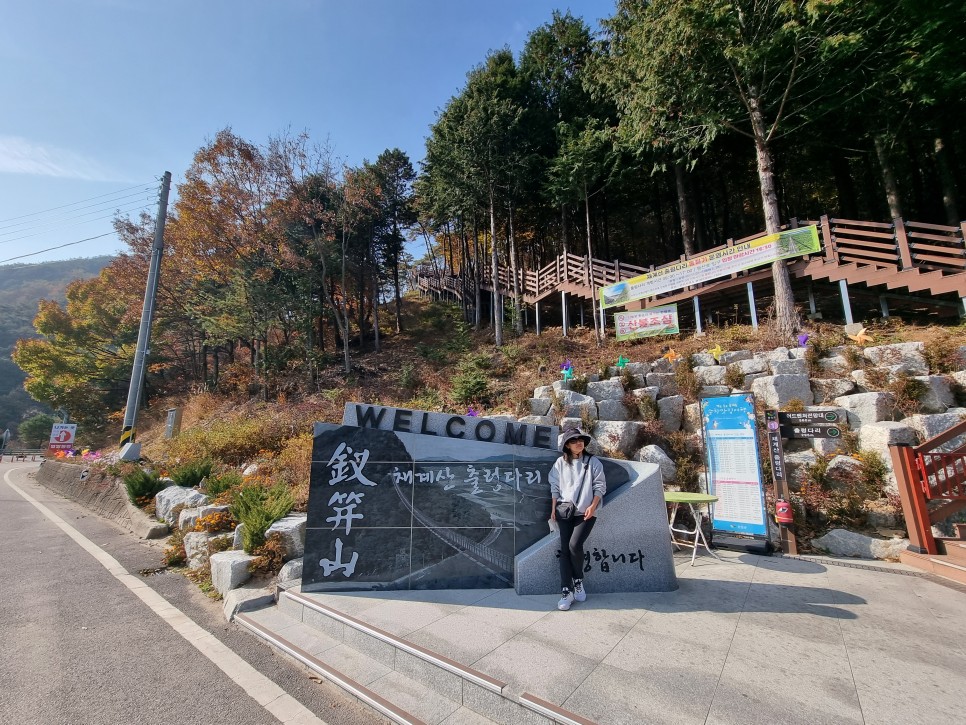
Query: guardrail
(21,454)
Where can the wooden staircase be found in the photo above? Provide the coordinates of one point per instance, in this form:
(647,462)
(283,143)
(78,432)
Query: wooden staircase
(951,564)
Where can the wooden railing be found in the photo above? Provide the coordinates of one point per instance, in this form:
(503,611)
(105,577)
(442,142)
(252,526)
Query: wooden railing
(873,246)
(926,473)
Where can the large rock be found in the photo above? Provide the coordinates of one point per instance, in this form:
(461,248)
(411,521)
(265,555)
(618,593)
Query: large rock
(657,456)
(938,397)
(834,364)
(776,355)
(840,542)
(828,389)
(650,391)
(788,367)
(229,570)
(170,498)
(670,412)
(842,471)
(196,548)
(930,426)
(619,436)
(290,573)
(796,467)
(908,355)
(575,405)
(863,408)
(612,410)
(188,518)
(712,391)
(691,420)
(606,390)
(538,420)
(291,529)
(544,391)
(726,358)
(878,437)
(750,366)
(702,359)
(775,391)
(666,383)
(540,406)
(711,374)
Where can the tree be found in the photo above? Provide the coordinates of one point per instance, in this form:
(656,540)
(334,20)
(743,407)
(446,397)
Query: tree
(35,432)
(684,71)
(395,175)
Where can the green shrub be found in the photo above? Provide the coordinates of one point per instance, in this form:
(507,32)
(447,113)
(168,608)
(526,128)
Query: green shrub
(258,507)
(471,384)
(191,474)
(143,486)
(218,483)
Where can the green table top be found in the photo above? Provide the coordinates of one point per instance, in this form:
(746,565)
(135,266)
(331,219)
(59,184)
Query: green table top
(684,497)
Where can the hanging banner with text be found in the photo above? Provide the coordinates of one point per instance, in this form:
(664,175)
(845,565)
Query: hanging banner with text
(734,473)
(720,263)
(647,323)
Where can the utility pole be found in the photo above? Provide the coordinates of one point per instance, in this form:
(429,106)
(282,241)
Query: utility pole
(129,452)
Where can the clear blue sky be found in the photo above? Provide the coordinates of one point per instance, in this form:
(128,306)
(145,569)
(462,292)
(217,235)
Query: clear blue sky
(100,97)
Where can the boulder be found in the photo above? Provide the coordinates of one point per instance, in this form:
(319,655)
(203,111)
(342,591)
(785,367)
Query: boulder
(788,367)
(775,391)
(650,392)
(656,455)
(250,470)
(863,408)
(878,436)
(710,391)
(671,411)
(606,390)
(540,406)
(538,419)
(291,529)
(835,365)
(930,426)
(797,353)
(702,359)
(196,548)
(776,355)
(229,570)
(938,397)
(750,366)
(840,542)
(666,383)
(173,496)
(612,410)
(726,358)
(290,573)
(796,465)
(691,420)
(909,355)
(188,518)
(842,472)
(711,374)
(828,389)
(749,379)
(544,391)
(619,436)
(575,405)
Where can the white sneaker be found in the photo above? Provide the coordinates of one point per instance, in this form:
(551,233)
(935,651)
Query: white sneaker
(579,594)
(566,600)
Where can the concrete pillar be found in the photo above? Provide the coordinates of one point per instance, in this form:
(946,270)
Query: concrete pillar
(751,305)
(846,306)
(884,305)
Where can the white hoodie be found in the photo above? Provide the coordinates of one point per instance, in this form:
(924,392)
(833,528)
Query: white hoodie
(565,481)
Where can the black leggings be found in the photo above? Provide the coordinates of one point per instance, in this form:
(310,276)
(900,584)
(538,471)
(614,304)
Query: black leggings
(573,534)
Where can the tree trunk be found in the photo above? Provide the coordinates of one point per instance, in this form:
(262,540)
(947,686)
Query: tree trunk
(375,308)
(888,178)
(598,333)
(786,318)
(478,296)
(495,272)
(685,209)
(517,311)
(563,229)
(947,182)
(395,279)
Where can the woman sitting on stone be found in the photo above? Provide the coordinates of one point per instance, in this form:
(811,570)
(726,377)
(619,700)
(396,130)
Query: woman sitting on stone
(577,487)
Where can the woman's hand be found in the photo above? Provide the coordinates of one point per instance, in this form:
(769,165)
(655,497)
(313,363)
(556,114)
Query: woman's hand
(553,509)
(591,511)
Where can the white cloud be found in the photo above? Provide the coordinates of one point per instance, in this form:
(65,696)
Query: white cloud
(21,156)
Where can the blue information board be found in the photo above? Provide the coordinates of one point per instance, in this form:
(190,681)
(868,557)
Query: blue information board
(734,470)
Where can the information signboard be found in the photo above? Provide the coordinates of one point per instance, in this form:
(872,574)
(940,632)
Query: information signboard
(734,471)
(62,437)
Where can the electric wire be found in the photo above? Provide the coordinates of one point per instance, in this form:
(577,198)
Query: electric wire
(64,206)
(50,249)
(61,225)
(100,206)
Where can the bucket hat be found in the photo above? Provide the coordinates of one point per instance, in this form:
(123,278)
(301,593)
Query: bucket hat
(572,434)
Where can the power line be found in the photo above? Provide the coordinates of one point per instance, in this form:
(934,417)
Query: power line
(72,222)
(102,204)
(64,206)
(50,249)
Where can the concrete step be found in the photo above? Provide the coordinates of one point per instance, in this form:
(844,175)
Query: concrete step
(956,552)
(403,681)
(940,565)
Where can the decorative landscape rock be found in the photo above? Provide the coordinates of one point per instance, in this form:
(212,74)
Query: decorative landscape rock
(702,359)
(670,412)
(930,426)
(826,390)
(666,383)
(188,518)
(544,391)
(612,410)
(709,391)
(291,529)
(196,548)
(171,497)
(840,542)
(863,408)
(656,455)
(842,472)
(615,435)
(540,406)
(775,391)
(726,358)
(606,390)
(907,354)
(290,573)
(835,364)
(691,420)
(538,420)
(788,367)
(574,405)
(229,570)
(711,374)
(749,366)
(938,397)
(796,465)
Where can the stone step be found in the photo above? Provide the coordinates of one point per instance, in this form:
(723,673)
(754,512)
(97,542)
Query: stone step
(398,667)
(956,552)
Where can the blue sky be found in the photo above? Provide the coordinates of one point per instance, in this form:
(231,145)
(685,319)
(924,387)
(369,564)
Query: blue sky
(100,97)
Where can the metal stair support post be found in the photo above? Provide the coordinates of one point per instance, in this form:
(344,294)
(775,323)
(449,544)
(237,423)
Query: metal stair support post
(913,500)
(697,315)
(751,305)
(846,306)
(563,311)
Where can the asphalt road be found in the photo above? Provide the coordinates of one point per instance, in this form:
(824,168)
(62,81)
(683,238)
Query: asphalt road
(77,646)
